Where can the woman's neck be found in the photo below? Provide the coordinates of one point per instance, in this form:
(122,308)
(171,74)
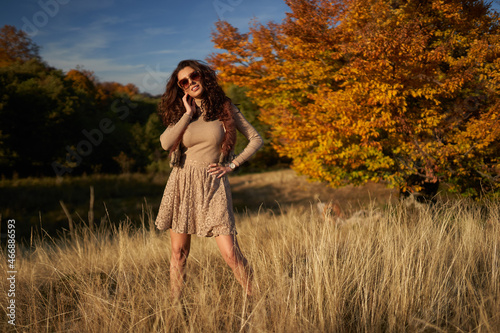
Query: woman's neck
(199,108)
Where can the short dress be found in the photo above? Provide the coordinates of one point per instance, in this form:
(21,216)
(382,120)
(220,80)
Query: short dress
(195,202)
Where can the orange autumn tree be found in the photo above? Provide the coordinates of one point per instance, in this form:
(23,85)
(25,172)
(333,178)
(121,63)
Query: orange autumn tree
(16,46)
(83,81)
(100,94)
(376,90)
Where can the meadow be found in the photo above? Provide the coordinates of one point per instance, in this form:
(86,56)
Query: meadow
(398,269)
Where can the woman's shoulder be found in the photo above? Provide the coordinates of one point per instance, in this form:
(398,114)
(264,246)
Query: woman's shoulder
(234,108)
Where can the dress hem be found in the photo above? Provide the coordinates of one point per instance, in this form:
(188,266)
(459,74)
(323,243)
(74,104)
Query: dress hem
(202,236)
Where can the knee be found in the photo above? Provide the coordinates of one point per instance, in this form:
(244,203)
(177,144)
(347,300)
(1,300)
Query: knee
(229,257)
(179,254)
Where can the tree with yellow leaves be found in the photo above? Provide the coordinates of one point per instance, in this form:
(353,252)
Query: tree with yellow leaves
(377,90)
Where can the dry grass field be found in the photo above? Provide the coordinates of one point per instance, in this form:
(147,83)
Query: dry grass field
(397,269)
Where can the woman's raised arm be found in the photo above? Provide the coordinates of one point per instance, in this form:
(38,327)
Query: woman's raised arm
(171,134)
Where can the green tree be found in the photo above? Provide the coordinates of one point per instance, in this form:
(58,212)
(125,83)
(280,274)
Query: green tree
(56,123)
(37,116)
(146,145)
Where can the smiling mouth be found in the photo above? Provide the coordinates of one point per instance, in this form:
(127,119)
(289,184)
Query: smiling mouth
(195,88)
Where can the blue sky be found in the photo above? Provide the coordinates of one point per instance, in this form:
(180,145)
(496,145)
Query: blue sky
(126,41)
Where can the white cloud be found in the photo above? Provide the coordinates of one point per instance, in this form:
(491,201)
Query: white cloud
(148,78)
(93,64)
(163,52)
(160,31)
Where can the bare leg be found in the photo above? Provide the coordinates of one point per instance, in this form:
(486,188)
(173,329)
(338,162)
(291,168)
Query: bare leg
(181,243)
(230,250)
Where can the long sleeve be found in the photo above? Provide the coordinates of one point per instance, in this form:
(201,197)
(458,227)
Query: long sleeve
(171,134)
(254,139)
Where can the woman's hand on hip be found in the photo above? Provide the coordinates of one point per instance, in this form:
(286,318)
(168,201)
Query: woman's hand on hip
(218,170)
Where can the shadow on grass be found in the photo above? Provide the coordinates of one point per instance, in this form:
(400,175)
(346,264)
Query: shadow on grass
(35,203)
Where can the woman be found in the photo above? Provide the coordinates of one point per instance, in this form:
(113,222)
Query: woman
(201,133)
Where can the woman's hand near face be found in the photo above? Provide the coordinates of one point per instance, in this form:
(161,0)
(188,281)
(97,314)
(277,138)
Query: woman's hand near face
(190,106)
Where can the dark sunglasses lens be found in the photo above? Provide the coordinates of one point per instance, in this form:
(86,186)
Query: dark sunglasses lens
(195,76)
(184,83)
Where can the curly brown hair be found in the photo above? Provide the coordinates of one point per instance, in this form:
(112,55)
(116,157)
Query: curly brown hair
(214,101)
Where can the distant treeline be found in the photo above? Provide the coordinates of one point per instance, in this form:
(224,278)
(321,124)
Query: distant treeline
(55,123)
(52,123)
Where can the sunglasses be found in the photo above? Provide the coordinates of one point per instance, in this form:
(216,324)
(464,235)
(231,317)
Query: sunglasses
(186,82)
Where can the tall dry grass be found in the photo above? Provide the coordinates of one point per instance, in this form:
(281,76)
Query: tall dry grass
(409,270)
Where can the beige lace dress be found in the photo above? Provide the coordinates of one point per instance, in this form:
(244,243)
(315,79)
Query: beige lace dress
(195,202)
